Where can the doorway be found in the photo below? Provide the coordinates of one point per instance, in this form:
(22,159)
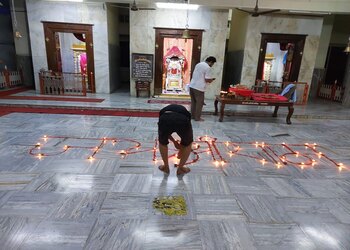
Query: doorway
(335,65)
(69,48)
(175,58)
(280,57)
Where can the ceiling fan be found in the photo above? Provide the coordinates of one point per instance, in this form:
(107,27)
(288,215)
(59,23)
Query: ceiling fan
(133,7)
(256,12)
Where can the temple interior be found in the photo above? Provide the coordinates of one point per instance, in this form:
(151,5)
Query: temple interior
(81,87)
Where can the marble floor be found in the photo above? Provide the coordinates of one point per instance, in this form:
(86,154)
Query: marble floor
(88,182)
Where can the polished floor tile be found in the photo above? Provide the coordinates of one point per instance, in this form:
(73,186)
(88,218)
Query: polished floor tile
(117,233)
(15,230)
(62,200)
(125,205)
(263,209)
(217,207)
(58,235)
(226,234)
(280,236)
(172,234)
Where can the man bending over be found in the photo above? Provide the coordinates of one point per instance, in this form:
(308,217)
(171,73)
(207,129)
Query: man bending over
(175,118)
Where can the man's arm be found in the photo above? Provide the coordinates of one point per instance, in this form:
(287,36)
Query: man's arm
(209,80)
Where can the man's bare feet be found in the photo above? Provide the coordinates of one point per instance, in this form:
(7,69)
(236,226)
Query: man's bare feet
(164,169)
(183,170)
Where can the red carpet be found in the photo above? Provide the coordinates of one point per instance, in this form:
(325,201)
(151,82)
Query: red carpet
(80,111)
(13,91)
(181,102)
(53,98)
(7,94)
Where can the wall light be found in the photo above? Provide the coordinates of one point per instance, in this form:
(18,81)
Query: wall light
(178,6)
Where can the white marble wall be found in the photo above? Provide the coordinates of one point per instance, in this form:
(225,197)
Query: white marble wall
(86,13)
(288,25)
(213,22)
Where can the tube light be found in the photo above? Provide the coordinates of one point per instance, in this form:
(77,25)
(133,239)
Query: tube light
(309,12)
(78,1)
(178,6)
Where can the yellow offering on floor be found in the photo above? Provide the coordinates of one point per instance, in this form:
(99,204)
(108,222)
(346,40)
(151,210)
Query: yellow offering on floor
(170,205)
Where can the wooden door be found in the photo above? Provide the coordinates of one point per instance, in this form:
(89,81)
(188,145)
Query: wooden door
(53,60)
(293,66)
(162,33)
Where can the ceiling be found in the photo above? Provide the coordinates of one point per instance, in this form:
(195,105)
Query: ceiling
(331,6)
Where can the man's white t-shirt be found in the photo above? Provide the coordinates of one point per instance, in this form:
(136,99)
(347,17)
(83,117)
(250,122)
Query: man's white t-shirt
(201,72)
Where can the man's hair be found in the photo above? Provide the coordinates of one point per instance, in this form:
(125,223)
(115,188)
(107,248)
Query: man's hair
(211,59)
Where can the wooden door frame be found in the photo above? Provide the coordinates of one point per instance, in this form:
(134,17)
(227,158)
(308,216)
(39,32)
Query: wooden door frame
(298,40)
(162,33)
(50,28)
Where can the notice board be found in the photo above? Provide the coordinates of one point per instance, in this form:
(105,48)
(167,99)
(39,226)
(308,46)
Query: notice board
(142,66)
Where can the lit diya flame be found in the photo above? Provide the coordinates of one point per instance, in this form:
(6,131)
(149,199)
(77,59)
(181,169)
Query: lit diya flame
(340,166)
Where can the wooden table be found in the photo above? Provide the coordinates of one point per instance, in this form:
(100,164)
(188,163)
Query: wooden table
(225,100)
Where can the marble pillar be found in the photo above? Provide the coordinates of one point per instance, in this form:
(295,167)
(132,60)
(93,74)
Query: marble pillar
(346,97)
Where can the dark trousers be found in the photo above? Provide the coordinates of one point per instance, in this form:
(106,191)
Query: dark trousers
(197,101)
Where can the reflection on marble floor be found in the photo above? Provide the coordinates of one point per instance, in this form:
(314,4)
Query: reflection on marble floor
(62,200)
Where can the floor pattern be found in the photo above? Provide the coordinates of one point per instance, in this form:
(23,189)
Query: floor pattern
(63,199)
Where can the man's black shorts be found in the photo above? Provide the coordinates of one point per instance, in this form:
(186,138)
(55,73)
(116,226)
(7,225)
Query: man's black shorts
(170,122)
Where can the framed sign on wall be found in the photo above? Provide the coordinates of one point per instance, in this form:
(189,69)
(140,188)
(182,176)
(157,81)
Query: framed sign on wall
(142,67)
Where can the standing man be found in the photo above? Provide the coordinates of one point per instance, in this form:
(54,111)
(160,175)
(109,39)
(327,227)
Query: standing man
(175,118)
(200,79)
